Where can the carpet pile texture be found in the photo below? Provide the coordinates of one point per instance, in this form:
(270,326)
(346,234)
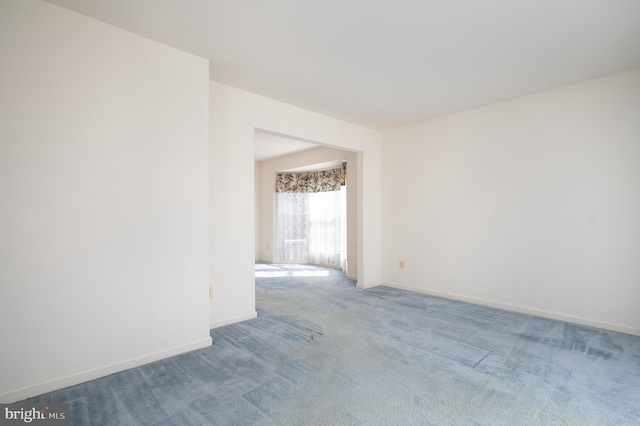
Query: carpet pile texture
(323,352)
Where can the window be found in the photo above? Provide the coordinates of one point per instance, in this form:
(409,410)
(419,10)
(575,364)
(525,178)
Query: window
(311,226)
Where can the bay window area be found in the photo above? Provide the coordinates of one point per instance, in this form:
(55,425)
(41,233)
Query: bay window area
(311,218)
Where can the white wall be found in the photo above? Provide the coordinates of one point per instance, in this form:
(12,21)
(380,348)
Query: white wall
(257,209)
(104,199)
(235,114)
(266,207)
(531,204)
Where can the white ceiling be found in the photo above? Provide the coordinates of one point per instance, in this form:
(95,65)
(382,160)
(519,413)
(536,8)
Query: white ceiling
(315,167)
(387,63)
(268,146)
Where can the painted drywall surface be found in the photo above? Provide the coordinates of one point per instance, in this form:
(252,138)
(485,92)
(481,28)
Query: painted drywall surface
(104,199)
(258,209)
(268,170)
(352,216)
(235,114)
(530,204)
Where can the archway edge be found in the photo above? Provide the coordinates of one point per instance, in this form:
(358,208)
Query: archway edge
(234,115)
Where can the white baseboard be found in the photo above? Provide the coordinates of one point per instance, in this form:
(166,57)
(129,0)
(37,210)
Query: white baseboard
(352,277)
(362,285)
(18,394)
(233,319)
(520,309)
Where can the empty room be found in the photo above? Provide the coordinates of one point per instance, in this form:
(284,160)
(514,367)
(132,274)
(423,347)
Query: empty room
(319,213)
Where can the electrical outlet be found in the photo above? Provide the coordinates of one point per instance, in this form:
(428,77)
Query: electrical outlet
(401,264)
(210,292)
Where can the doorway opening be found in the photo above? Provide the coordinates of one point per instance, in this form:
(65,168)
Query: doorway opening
(313,227)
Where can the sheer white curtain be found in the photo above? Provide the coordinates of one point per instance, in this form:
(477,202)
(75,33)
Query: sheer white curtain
(325,228)
(292,227)
(311,228)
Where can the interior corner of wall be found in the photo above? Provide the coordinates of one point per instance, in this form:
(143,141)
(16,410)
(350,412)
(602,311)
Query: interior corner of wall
(233,319)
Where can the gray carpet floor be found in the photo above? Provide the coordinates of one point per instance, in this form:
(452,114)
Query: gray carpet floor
(322,352)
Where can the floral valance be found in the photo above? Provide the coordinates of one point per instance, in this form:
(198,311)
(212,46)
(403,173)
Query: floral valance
(320,181)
